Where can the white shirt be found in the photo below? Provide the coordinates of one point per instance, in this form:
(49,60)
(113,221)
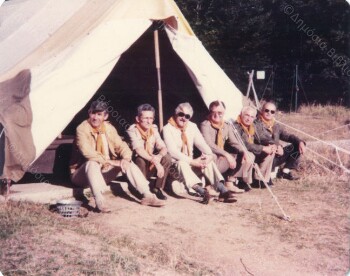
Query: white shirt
(173,141)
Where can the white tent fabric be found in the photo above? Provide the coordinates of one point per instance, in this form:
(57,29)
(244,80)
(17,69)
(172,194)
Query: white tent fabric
(70,47)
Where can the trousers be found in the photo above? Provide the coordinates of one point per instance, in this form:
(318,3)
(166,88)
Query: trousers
(90,175)
(145,165)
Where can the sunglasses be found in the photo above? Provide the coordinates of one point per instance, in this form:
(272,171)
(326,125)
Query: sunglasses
(271,111)
(181,114)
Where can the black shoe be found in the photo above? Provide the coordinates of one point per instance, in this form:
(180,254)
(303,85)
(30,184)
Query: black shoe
(291,175)
(258,184)
(159,194)
(227,197)
(270,183)
(244,186)
(206,197)
(5,186)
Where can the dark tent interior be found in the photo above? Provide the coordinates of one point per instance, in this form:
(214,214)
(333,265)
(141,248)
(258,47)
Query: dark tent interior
(133,81)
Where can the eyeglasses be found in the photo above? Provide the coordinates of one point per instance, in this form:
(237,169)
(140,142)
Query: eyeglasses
(271,111)
(181,114)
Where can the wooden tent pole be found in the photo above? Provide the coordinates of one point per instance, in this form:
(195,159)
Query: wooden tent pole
(160,98)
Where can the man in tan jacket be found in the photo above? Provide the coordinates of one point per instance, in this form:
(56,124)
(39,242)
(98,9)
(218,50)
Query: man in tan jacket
(99,155)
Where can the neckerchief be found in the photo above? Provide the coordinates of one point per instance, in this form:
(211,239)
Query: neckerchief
(219,138)
(269,124)
(249,131)
(99,142)
(183,136)
(146,135)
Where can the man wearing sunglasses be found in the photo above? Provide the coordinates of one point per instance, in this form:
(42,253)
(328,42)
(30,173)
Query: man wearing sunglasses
(258,142)
(181,136)
(290,154)
(231,160)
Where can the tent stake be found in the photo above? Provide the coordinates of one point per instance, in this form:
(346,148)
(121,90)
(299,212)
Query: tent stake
(160,98)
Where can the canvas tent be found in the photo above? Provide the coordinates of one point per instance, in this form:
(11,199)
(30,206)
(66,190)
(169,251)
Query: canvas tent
(56,54)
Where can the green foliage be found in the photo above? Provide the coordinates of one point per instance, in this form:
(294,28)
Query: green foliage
(244,35)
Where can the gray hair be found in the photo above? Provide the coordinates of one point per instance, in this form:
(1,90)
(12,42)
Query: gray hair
(181,106)
(145,107)
(248,108)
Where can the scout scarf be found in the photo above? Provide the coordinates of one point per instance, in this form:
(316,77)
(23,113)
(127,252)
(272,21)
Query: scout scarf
(99,143)
(249,131)
(146,135)
(219,138)
(269,124)
(183,136)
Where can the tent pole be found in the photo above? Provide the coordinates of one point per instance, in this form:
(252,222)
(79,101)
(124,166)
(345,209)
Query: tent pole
(160,98)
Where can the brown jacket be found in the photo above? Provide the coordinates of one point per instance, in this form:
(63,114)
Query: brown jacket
(84,146)
(228,136)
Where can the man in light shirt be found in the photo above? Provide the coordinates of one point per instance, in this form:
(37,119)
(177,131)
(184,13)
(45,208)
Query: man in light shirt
(151,154)
(181,136)
(99,155)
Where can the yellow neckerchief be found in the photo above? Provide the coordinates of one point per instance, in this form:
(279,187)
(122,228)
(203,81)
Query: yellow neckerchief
(146,135)
(99,143)
(269,124)
(219,138)
(183,135)
(249,131)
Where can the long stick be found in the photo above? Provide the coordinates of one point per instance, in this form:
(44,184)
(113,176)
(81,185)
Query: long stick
(160,98)
(256,167)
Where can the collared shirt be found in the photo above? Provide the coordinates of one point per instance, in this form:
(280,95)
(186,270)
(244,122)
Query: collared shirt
(156,142)
(173,141)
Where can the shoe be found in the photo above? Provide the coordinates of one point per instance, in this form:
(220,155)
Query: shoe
(5,187)
(212,191)
(227,197)
(270,183)
(229,185)
(159,193)
(290,174)
(104,210)
(258,184)
(206,197)
(152,201)
(244,186)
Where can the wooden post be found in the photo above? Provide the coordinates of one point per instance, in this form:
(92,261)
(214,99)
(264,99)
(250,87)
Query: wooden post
(160,97)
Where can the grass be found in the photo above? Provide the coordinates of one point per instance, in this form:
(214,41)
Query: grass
(35,241)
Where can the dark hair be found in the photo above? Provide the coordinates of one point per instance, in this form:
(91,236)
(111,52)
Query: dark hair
(145,107)
(215,104)
(98,106)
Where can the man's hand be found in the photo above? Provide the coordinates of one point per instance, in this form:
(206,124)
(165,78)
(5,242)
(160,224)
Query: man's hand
(160,170)
(156,159)
(270,149)
(199,163)
(279,150)
(231,160)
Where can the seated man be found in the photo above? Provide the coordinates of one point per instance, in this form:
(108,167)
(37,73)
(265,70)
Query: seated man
(256,141)
(151,153)
(290,154)
(180,137)
(99,155)
(230,158)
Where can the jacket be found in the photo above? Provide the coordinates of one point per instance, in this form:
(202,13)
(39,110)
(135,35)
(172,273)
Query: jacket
(84,146)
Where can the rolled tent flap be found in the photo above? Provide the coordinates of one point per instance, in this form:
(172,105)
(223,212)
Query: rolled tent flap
(69,54)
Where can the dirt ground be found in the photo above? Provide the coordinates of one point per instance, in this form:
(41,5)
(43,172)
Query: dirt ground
(247,237)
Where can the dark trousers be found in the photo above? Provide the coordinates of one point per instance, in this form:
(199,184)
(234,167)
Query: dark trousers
(291,157)
(2,149)
(150,171)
